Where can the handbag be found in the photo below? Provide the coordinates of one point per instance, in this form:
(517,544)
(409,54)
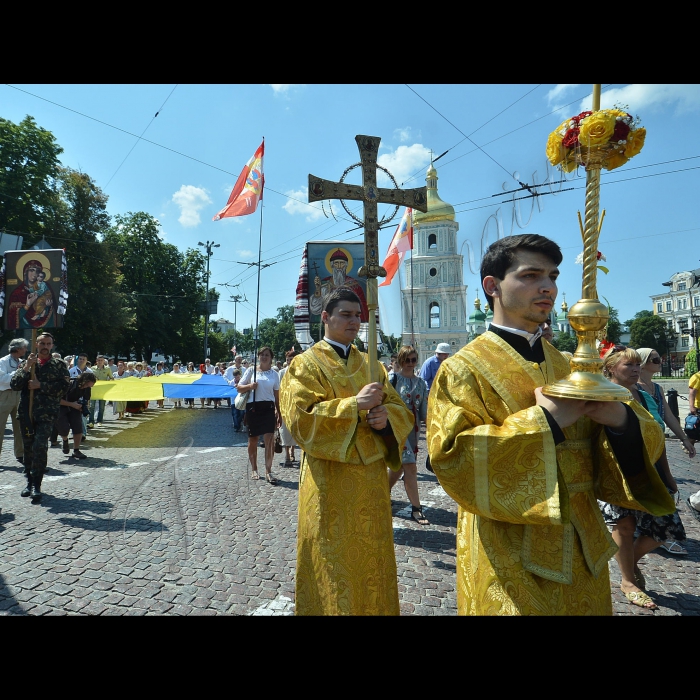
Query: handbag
(241,400)
(692,427)
(278,442)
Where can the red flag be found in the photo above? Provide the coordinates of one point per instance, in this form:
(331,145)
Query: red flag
(400,243)
(248,190)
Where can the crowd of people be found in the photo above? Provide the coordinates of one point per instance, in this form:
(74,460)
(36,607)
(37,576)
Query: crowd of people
(548,488)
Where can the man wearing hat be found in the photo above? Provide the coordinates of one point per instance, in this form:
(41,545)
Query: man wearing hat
(432,364)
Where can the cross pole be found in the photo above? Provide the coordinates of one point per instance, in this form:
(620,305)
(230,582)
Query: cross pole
(370,195)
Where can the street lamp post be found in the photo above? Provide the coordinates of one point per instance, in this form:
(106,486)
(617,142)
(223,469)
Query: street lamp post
(236,299)
(208,245)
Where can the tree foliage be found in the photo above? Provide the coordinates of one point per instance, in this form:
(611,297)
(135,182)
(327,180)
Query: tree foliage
(614,327)
(650,331)
(565,342)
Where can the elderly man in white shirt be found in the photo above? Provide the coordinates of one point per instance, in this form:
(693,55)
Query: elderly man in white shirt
(9,400)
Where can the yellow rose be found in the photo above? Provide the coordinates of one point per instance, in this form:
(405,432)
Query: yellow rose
(615,160)
(617,112)
(555,151)
(635,142)
(568,166)
(597,129)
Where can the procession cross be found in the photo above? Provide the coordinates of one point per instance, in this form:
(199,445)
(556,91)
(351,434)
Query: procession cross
(370,195)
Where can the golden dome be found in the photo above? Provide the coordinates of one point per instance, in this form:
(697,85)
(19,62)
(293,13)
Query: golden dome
(437,209)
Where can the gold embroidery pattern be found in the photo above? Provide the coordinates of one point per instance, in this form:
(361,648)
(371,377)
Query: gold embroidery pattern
(538,547)
(345,548)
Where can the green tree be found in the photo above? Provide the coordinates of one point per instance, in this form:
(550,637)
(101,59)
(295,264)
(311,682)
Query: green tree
(565,342)
(614,327)
(691,363)
(29,172)
(161,287)
(278,332)
(650,331)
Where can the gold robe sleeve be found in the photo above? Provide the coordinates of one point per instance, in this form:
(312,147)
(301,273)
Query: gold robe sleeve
(318,404)
(500,470)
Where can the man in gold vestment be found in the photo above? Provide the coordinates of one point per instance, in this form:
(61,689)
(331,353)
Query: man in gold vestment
(350,429)
(525,468)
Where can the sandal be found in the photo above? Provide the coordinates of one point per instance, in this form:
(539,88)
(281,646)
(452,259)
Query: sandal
(639,577)
(673,547)
(417,515)
(255,476)
(288,463)
(641,600)
(270,479)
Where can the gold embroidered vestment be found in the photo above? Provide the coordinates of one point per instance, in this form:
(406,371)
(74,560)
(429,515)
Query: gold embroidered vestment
(530,537)
(345,545)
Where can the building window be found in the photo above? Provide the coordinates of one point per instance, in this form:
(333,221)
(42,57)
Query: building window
(682,303)
(696,301)
(669,306)
(681,287)
(684,342)
(659,307)
(434,315)
(683,323)
(433,272)
(432,241)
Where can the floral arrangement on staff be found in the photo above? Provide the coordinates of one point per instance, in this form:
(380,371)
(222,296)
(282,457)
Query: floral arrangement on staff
(614,130)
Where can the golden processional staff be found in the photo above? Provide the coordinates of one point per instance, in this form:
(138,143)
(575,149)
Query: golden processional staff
(596,139)
(370,195)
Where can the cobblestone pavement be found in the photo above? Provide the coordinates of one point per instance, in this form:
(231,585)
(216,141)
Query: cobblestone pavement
(164,519)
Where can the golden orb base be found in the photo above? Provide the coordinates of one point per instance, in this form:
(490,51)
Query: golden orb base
(587,386)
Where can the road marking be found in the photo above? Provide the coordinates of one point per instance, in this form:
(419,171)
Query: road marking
(161,459)
(65,476)
(281,605)
(8,486)
(211,449)
(438,491)
(137,464)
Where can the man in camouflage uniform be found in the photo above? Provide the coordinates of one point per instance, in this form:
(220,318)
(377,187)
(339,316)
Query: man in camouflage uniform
(50,384)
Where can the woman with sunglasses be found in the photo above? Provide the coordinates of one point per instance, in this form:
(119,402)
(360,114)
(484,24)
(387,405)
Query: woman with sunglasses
(622,366)
(651,364)
(414,392)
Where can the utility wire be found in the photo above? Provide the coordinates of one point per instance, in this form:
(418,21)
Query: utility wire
(139,138)
(458,129)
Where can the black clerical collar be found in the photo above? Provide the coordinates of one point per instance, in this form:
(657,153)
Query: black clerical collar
(342,350)
(521,344)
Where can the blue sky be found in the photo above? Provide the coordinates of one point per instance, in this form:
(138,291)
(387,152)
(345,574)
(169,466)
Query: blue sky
(651,225)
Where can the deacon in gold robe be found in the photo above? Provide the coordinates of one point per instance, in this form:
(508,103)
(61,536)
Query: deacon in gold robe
(526,469)
(350,430)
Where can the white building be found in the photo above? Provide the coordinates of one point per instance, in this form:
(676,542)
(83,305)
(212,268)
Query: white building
(680,308)
(435,297)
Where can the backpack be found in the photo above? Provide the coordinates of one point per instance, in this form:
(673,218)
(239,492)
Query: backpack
(692,427)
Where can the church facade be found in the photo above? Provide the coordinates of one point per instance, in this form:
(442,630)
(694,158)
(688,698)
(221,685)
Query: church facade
(435,297)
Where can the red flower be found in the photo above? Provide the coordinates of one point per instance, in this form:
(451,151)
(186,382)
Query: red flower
(570,139)
(621,131)
(583,115)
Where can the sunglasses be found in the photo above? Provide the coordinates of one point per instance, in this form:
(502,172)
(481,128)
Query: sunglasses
(411,361)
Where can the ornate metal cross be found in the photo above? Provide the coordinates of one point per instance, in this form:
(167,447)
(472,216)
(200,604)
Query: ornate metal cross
(370,195)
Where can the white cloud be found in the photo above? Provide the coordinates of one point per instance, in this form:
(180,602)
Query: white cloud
(557,92)
(284,88)
(641,96)
(190,199)
(405,134)
(245,253)
(402,163)
(297,205)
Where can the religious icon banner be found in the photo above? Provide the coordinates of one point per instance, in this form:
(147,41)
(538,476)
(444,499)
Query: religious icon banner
(325,266)
(35,289)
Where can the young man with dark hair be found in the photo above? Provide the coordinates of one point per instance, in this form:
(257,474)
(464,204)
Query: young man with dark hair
(50,382)
(526,468)
(350,429)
